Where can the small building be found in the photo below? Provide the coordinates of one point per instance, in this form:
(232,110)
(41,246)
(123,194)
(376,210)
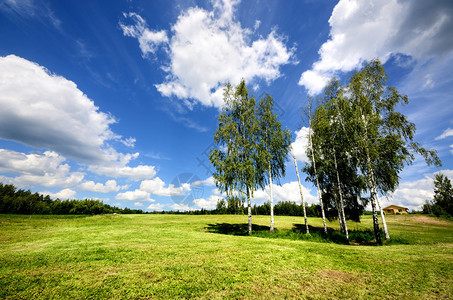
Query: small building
(395,210)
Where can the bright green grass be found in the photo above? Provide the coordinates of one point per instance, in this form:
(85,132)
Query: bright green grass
(175,256)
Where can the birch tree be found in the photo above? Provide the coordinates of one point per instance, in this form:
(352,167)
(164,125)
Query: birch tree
(307,230)
(383,136)
(311,153)
(274,145)
(235,157)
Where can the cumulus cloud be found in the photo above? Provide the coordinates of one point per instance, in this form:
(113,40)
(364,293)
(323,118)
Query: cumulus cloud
(209,48)
(46,111)
(137,195)
(300,144)
(63,194)
(287,192)
(156,186)
(413,194)
(109,186)
(35,169)
(209,203)
(156,206)
(136,173)
(364,30)
(178,206)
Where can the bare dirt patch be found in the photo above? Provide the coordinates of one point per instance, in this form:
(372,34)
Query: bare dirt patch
(427,220)
(337,275)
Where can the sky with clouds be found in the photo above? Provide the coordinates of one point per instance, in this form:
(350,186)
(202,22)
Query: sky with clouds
(119,101)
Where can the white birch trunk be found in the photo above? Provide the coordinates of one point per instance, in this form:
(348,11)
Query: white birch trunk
(371,187)
(271,200)
(249,211)
(384,223)
(317,181)
(341,208)
(301,196)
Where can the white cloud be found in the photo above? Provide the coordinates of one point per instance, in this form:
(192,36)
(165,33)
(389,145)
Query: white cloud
(148,40)
(138,204)
(209,48)
(300,144)
(130,142)
(287,192)
(413,194)
(137,195)
(156,206)
(36,169)
(156,186)
(210,181)
(364,30)
(178,206)
(136,173)
(109,186)
(209,203)
(46,111)
(34,163)
(448,132)
(63,194)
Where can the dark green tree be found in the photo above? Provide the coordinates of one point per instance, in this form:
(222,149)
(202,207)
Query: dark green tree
(443,196)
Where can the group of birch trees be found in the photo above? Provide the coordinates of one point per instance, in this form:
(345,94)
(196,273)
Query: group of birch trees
(357,146)
(251,147)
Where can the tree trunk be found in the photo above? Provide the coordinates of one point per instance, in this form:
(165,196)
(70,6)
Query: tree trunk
(317,182)
(377,232)
(384,223)
(271,200)
(340,219)
(301,196)
(249,211)
(371,186)
(340,192)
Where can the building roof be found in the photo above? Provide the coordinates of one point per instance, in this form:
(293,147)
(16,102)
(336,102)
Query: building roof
(395,206)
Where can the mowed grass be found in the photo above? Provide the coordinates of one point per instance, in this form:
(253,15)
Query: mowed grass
(176,256)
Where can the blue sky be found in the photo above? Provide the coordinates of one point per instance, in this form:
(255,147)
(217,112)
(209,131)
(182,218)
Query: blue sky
(118,101)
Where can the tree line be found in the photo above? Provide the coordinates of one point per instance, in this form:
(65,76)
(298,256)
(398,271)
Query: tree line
(18,201)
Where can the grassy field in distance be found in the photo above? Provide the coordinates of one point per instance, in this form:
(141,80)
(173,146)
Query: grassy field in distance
(176,256)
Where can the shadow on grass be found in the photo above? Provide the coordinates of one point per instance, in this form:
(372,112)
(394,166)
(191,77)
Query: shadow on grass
(356,237)
(235,229)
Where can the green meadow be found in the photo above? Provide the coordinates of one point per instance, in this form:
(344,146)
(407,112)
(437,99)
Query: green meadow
(184,256)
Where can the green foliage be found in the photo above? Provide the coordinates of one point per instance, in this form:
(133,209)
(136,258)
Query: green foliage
(442,203)
(358,127)
(334,150)
(273,142)
(14,201)
(236,157)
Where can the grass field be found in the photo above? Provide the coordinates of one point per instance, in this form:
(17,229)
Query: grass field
(177,256)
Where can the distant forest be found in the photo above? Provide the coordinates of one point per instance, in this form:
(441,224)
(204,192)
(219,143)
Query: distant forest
(18,201)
